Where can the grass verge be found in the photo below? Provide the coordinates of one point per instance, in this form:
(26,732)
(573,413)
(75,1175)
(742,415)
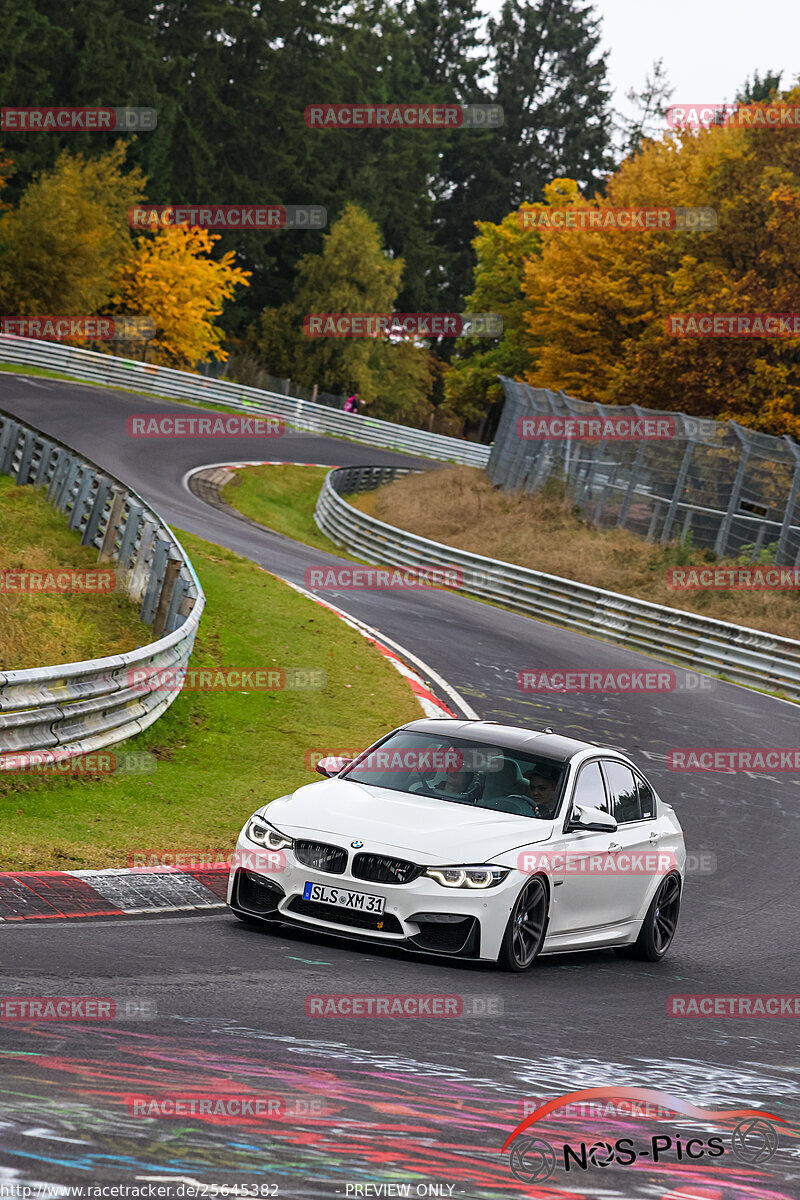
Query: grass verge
(282,498)
(219,754)
(39,628)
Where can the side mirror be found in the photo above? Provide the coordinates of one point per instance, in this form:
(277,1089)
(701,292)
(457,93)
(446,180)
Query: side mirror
(591,819)
(332,766)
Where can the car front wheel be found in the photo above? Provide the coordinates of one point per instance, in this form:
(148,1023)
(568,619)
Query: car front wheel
(527,925)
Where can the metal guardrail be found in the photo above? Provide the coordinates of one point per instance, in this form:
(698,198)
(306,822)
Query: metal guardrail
(182,385)
(52,713)
(742,655)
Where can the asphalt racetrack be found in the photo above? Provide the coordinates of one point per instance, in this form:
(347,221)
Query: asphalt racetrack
(425,1103)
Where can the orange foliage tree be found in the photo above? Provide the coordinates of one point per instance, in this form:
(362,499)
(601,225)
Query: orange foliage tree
(597,301)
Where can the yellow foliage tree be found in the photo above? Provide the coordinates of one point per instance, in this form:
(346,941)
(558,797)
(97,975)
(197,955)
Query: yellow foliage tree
(171,278)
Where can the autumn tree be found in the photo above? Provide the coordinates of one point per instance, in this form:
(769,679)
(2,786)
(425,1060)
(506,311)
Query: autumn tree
(473,391)
(171,278)
(62,247)
(352,274)
(599,300)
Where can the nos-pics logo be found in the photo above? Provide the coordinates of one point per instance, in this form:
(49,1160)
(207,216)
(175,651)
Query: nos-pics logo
(753,1139)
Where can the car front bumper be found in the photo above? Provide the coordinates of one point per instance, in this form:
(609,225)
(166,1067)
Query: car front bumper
(421,915)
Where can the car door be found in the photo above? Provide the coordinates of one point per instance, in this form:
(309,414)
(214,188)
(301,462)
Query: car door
(585,900)
(634,846)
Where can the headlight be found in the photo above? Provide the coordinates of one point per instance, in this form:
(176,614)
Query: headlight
(264,834)
(468,877)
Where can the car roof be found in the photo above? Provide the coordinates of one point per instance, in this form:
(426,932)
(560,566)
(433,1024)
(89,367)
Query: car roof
(509,737)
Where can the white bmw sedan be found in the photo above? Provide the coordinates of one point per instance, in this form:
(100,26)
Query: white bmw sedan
(470,839)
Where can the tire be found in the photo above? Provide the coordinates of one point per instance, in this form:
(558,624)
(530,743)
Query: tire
(526,928)
(658,927)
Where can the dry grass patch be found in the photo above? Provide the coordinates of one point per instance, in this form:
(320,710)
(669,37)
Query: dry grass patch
(459,506)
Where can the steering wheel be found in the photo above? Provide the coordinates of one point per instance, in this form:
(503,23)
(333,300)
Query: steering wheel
(539,810)
(471,796)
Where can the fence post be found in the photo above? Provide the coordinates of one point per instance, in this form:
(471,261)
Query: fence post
(721,543)
(683,471)
(781,554)
(634,475)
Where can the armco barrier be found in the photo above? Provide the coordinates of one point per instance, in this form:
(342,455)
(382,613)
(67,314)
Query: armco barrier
(742,655)
(181,385)
(76,708)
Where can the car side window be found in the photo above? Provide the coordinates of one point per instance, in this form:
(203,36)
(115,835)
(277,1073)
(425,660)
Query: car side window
(625,802)
(647,798)
(590,791)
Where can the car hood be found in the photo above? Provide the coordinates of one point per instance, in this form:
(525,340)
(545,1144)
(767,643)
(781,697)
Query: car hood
(430,831)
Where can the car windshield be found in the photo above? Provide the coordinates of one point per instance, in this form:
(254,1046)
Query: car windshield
(461,771)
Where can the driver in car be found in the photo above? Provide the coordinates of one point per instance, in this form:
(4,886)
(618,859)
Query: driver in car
(542,792)
(465,786)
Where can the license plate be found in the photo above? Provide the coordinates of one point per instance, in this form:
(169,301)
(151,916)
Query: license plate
(343,898)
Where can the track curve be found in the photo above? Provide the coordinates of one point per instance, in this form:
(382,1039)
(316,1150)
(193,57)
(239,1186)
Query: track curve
(589,1020)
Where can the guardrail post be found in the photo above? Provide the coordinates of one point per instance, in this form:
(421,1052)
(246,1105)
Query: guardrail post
(179,593)
(69,481)
(8,446)
(26,454)
(112,526)
(134,519)
(139,573)
(157,567)
(60,468)
(44,463)
(97,510)
(76,516)
(166,595)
